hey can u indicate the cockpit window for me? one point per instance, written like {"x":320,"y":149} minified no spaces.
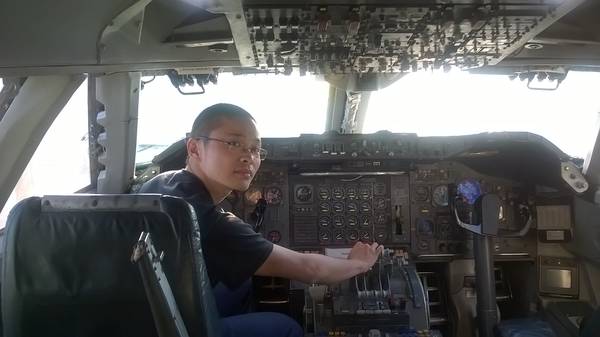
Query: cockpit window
{"x":283,"y":106}
{"x":459,"y":103}
{"x":60,"y":164}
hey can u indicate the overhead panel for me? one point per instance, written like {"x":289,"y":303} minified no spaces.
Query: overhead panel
{"x":322,"y":39}
{"x":328,"y":37}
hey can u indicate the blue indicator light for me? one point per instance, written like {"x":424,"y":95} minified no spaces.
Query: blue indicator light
{"x":470,"y":190}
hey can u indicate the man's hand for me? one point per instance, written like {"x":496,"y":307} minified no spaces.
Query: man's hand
{"x":318,"y":268}
{"x":366,"y":253}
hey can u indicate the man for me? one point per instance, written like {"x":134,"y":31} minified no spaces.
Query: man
{"x":224,"y":153}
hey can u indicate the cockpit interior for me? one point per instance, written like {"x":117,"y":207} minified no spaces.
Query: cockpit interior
{"x":486,"y":234}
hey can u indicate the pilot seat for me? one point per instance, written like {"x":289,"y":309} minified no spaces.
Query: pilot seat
{"x":67,"y":269}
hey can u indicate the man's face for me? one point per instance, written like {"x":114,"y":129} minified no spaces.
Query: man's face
{"x":227,"y":166}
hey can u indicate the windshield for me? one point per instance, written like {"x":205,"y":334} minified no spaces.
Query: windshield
{"x":459,"y":103}
{"x":425,"y":103}
{"x":283,"y":106}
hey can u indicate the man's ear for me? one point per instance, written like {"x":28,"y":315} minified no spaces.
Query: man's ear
{"x":193,"y":148}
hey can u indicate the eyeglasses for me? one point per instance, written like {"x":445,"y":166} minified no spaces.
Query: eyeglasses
{"x":239,"y":147}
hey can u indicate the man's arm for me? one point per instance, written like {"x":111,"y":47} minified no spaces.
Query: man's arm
{"x":317,"y":268}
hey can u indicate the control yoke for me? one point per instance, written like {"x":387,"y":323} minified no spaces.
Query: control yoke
{"x":485,"y":217}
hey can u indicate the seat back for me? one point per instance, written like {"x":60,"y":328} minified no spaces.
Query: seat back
{"x":67,"y":268}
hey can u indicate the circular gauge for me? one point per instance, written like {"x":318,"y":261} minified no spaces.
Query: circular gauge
{"x":424,"y":226}
{"x":445,"y":229}
{"x":353,"y":235}
{"x":304,"y":193}
{"x":338,"y":207}
{"x":440,"y":196}
{"x":381,"y":219}
{"x":324,"y":221}
{"x":380,"y":236}
{"x":324,"y":207}
{"x":338,"y":221}
{"x":352,"y":222}
{"x":324,"y":236}
{"x":273,"y":195}
{"x":365,"y":207}
{"x":324,"y":193}
{"x":380,"y":203}
{"x":351,"y":193}
{"x":274,"y":236}
{"x":338,"y":236}
{"x":351,"y":207}
{"x":252,"y":196}
{"x":365,"y":193}
{"x":338,"y":192}
{"x":422,"y":193}
{"x":469,"y":190}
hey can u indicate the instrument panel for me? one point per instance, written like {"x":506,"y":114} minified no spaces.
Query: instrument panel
{"x":341,"y":210}
{"x":316,"y":200}
{"x":416,"y":196}
{"x":435,"y":187}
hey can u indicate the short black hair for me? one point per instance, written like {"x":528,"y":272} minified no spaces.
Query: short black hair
{"x":207,"y":119}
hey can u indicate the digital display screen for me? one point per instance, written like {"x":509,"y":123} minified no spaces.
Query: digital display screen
{"x":558,"y":278}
